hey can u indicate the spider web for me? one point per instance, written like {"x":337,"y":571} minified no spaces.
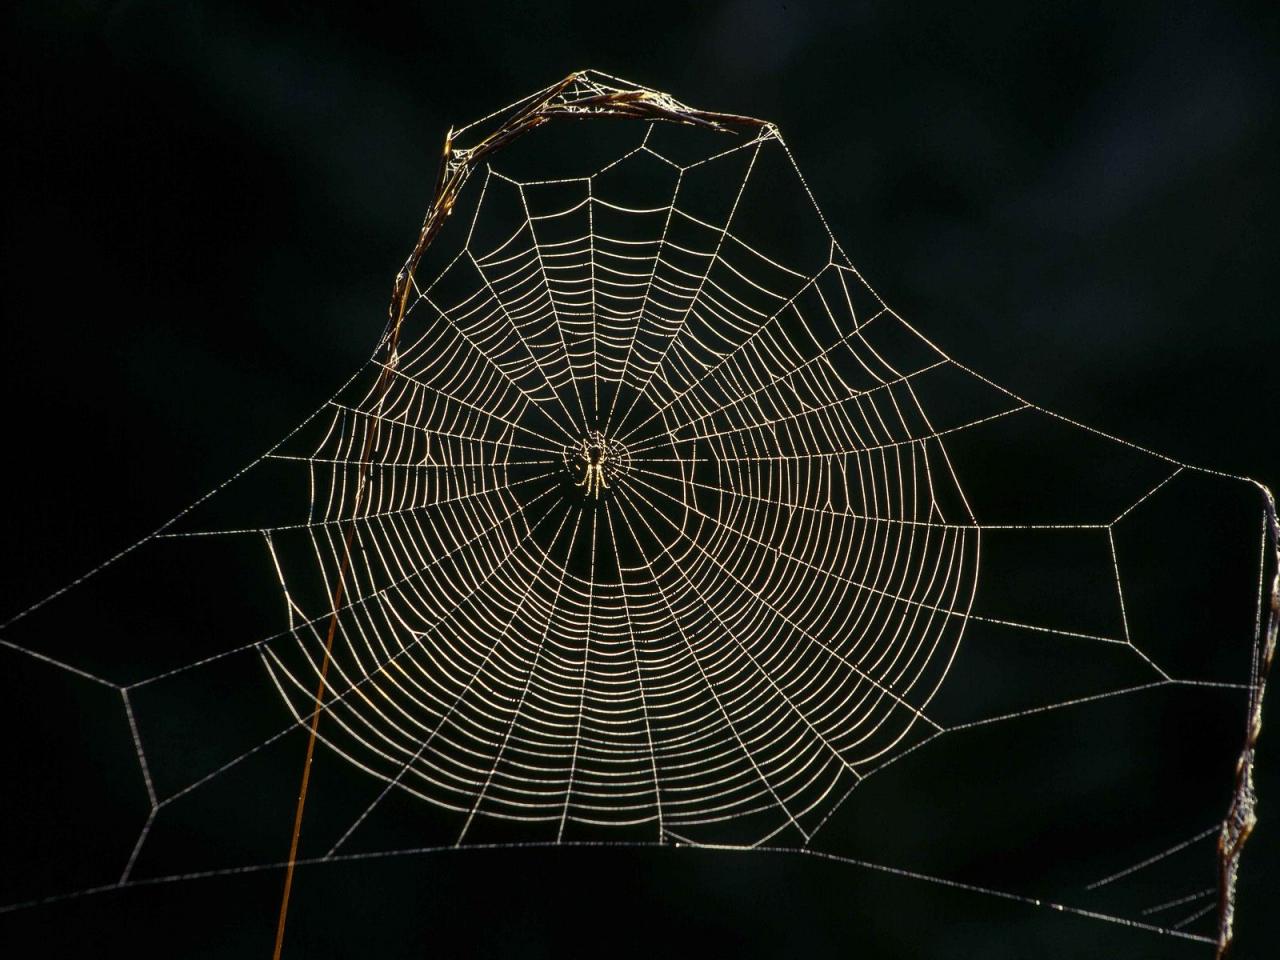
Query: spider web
{"x":650,"y":522}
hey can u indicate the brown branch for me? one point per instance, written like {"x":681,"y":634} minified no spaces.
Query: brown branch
{"x":456,"y":166}
{"x":1241,"y":815}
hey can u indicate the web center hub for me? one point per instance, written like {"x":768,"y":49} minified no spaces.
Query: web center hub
{"x":596,"y":462}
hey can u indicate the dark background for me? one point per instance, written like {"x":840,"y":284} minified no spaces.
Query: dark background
{"x":208,"y":203}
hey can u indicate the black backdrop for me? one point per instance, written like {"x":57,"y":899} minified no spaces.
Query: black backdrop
{"x":208,"y":203}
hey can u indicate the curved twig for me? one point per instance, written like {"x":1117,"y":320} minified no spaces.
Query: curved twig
{"x":576,"y":96}
{"x":1241,"y":815}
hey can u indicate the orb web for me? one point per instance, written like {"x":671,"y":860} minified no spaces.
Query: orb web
{"x":748,"y":609}
{"x":648,"y":521}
